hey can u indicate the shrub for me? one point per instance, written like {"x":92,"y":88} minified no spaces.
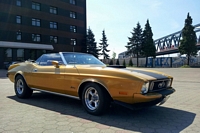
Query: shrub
{"x":117,"y":63}
{"x":185,"y":66}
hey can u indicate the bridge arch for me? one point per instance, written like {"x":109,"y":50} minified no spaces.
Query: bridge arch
{"x":169,"y":44}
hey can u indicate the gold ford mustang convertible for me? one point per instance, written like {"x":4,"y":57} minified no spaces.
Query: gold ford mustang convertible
{"x":82,"y":76}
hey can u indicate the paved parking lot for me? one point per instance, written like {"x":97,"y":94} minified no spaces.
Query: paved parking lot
{"x":50,"y":113}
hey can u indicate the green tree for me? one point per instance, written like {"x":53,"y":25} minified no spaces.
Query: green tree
{"x":189,"y":39}
{"x":103,"y":46}
{"x":111,"y":62}
{"x":135,"y":42}
{"x":148,"y":48}
{"x":124,"y":63}
{"x":113,"y":55}
{"x":91,"y":44}
{"x":117,"y":63}
{"x":130,"y":62}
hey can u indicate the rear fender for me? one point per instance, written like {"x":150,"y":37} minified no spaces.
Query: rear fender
{"x":21,"y":74}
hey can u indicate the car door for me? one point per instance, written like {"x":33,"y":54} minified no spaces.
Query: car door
{"x":46,"y":76}
{"x":72,"y":76}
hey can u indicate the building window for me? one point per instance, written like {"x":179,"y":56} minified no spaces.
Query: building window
{"x":8,"y":55}
{"x":72,"y":28}
{"x":53,"y":39}
{"x":18,"y":35}
{"x":35,"y":22}
{"x":72,"y":2}
{"x":53,"y":25}
{"x":35,"y":6}
{"x":36,"y":38}
{"x":73,"y":41}
{"x":20,"y":54}
{"x":18,"y":20}
{"x":72,"y":15}
{"x":18,"y":3}
{"x":53,"y":10}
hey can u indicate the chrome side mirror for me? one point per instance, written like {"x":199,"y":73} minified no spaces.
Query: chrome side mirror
{"x":56,"y":64}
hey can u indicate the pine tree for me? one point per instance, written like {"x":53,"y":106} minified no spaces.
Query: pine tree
{"x":189,"y":39}
{"x":130,"y":62}
{"x":117,"y":63}
{"x":103,"y":46}
{"x":91,"y":44}
{"x":148,"y":48}
{"x":111,"y":62}
{"x":135,"y":42}
{"x":124,"y":63}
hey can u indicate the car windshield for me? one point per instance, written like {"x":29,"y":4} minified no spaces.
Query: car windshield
{"x":81,"y":59}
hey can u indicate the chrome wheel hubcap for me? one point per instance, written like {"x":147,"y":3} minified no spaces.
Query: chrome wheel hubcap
{"x":20,"y":86}
{"x":92,"y":98}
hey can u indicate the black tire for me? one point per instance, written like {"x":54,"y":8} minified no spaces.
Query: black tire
{"x":21,"y":88}
{"x":95,"y":99}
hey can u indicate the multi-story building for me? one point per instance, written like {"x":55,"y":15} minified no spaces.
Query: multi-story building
{"x":29,"y":28}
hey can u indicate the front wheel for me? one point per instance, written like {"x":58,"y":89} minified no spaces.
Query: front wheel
{"x":21,"y":88}
{"x":95,"y":99}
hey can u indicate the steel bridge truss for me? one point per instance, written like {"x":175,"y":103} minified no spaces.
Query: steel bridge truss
{"x":171,"y":42}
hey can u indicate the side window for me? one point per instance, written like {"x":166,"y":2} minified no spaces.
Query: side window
{"x":46,"y":60}
{"x":43,"y":61}
{"x":57,"y":57}
{"x":38,"y":60}
{"x":70,"y":59}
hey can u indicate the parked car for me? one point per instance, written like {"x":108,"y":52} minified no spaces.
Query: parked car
{"x":84,"y":77}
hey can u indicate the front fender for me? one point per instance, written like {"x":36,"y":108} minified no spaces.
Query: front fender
{"x":93,"y":80}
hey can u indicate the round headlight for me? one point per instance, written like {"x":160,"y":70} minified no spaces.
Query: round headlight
{"x":145,"y":88}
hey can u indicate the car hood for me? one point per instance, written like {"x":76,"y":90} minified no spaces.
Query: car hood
{"x":148,"y":74}
{"x":127,"y":73}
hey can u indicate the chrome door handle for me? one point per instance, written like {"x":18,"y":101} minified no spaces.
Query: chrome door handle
{"x":35,"y":70}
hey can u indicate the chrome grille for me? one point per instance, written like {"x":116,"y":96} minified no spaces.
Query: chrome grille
{"x":158,"y":85}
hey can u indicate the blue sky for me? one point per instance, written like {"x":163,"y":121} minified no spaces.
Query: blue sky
{"x":119,"y":17}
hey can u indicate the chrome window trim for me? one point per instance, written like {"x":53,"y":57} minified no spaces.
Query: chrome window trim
{"x":62,"y":57}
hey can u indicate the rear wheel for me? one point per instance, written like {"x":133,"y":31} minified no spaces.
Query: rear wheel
{"x":95,"y":99}
{"x":21,"y":88}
